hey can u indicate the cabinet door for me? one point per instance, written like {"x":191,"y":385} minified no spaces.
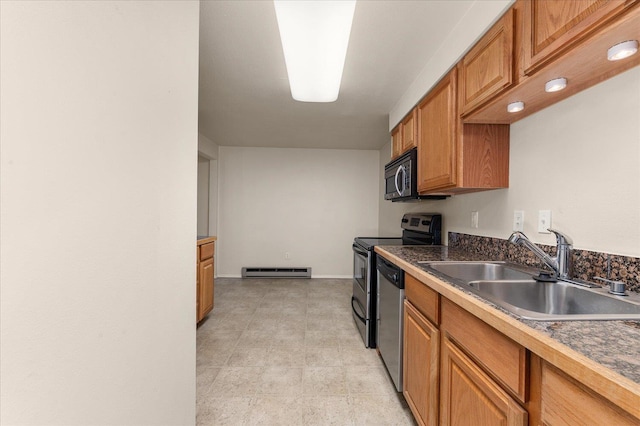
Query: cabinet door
{"x":552,"y":27}
{"x":205,"y":303}
{"x":396,"y":141}
{"x":469,"y":396}
{"x":420,"y":364}
{"x":409,"y":131}
{"x":488,"y":67}
{"x":437,"y":133}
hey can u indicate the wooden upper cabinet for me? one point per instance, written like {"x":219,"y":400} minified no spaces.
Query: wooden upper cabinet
{"x":437,"y":133}
{"x":396,"y":141}
{"x":488,"y":68}
{"x":404,"y":135}
{"x":456,"y":158}
{"x":410,"y":131}
{"x":552,"y":27}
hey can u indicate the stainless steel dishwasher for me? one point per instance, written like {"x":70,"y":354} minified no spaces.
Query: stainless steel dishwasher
{"x":390,"y":318}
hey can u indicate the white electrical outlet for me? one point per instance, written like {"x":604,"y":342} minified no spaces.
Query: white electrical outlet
{"x":518,"y":220}
{"x":544,"y":221}
{"x":474,"y":219}
{"x":287,"y":255}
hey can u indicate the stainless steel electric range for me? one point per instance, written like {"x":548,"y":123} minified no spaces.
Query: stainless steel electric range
{"x":417,"y":229}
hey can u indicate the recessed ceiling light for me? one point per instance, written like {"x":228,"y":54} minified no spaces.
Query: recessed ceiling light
{"x":315,"y":36}
{"x":515,"y":106}
{"x":622,"y":50}
{"x":555,"y":85}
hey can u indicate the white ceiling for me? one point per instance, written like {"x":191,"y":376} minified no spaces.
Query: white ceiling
{"x":244,"y":93}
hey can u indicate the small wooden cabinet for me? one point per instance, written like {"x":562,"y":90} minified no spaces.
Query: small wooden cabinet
{"x":470,"y":396}
{"x":488,"y":68}
{"x":396,"y":141}
{"x":404,"y":135}
{"x":421,"y":351}
{"x":204,"y":278}
{"x":550,"y":28}
{"x":409,"y":131}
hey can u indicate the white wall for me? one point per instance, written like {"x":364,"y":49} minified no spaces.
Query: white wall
{"x":98,"y":222}
{"x":308,"y":202}
{"x":209,"y":149}
{"x":479,"y":18}
{"x":579,"y":158}
{"x":203,"y":196}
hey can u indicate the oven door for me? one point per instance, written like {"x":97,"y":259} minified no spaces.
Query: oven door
{"x":361,"y":306}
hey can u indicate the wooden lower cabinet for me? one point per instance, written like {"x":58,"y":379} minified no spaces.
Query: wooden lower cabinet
{"x":204,"y":280}
{"x":206,"y":288}
{"x":459,"y":370}
{"x":471,"y":397}
{"x":567,"y":402}
{"x":420,"y":366}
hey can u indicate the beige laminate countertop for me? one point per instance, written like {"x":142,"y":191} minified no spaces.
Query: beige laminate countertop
{"x":205,"y":240}
{"x":604,"y":355}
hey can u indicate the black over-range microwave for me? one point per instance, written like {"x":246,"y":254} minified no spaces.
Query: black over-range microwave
{"x":401,"y":179}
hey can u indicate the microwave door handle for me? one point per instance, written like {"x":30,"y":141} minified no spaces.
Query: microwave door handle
{"x":401,"y":169}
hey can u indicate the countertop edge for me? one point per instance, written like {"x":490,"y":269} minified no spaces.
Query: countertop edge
{"x":206,"y":240}
{"x":620,"y":390}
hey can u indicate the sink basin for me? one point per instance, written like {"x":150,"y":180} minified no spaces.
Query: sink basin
{"x":474,"y":271}
{"x":515,"y":290}
{"x":555,"y":301}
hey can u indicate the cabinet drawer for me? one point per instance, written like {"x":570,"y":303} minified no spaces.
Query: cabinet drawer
{"x":502,"y":358}
{"x":567,"y":402}
{"x":470,"y":397}
{"x":206,"y":251}
{"x":423,"y":298}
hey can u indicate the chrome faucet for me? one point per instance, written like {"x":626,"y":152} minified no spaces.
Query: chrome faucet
{"x":562,"y":264}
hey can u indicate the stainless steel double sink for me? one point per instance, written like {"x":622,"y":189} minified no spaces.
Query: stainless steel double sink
{"x":514,"y":289}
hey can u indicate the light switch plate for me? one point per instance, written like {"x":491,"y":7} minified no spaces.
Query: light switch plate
{"x":474,"y":219}
{"x":518,"y":220}
{"x":544,"y":221}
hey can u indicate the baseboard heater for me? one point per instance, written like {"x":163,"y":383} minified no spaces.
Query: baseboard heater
{"x":276,"y":272}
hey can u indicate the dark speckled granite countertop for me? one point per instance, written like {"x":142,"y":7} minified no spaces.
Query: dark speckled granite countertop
{"x":614,"y":344}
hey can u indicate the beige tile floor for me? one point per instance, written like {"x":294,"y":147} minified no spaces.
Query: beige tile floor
{"x":287,"y":352}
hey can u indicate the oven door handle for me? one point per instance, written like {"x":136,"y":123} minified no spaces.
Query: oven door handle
{"x":359,"y":251}
{"x":404,"y":174}
{"x":360,"y":317}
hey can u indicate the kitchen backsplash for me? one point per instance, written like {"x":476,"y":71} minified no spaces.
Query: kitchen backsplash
{"x":586,"y":264}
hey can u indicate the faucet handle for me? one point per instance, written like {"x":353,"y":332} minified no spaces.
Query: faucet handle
{"x":615,"y":287}
{"x":561,"y":239}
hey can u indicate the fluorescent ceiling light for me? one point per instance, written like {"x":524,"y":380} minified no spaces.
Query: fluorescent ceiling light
{"x":315,"y":36}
